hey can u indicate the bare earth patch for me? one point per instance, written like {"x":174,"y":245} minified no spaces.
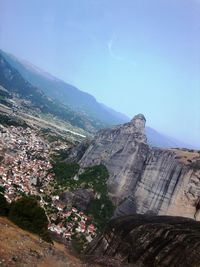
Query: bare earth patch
{"x":19,"y":248}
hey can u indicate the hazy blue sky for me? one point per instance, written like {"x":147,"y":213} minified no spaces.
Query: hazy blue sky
{"x":137,"y":56}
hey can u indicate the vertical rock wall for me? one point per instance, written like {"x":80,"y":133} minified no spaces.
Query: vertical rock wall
{"x":144,"y":179}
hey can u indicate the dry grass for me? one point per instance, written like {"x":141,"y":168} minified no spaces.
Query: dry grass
{"x":185,"y":156}
{"x":22,"y":249}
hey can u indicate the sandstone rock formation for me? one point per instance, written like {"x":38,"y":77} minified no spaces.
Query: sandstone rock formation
{"x":79,"y":198}
{"x":146,"y":241}
{"x":143,"y":179}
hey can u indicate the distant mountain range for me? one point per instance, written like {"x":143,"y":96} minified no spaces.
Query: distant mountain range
{"x":19,"y":93}
{"x":54,"y":96}
{"x":65,"y":93}
{"x":160,"y":140}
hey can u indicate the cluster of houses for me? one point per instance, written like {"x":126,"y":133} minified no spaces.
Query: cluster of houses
{"x":26,"y":162}
{"x":25,"y":167}
{"x":73,"y":223}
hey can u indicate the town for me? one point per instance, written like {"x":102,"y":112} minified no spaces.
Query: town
{"x":25,"y":169}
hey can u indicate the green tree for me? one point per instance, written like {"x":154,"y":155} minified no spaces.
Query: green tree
{"x":65,"y":172}
{"x":4,"y":207}
{"x":2,"y":189}
{"x":27,"y":214}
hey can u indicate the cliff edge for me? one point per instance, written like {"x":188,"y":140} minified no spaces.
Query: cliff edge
{"x":145,"y":241}
{"x":144,"y":179}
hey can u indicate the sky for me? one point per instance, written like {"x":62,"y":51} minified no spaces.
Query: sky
{"x":136,"y":56}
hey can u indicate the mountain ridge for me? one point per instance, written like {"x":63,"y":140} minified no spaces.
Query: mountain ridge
{"x":81,"y":103}
{"x":34,"y":99}
{"x":66,"y":93}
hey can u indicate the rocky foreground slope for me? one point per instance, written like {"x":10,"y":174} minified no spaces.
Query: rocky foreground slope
{"x":19,"y":248}
{"x":144,"y":179}
{"x":146,"y":241}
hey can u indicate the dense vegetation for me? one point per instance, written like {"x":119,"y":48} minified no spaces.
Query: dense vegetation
{"x":65,"y":173}
{"x":11,"y":121}
{"x":52,"y":137}
{"x":4,"y":207}
{"x":100,"y":208}
{"x":27,"y":214}
{"x":95,"y":178}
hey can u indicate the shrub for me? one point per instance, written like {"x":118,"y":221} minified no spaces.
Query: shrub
{"x":101,"y":214}
{"x":95,"y":178}
{"x":78,"y":241}
{"x":2,"y":189}
{"x":47,"y":198}
{"x":100,"y":209}
{"x":65,"y":172}
{"x":196,"y":165}
{"x":4,"y":206}
{"x":27,"y":214}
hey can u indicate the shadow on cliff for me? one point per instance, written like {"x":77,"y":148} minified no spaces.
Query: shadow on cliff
{"x":147,"y":240}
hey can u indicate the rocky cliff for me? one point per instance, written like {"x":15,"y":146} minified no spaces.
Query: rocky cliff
{"x":143,"y":179}
{"x":146,"y":241}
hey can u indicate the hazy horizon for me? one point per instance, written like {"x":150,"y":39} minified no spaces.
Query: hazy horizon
{"x":134,"y":56}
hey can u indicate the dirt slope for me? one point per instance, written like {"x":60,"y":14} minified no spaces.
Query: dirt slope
{"x":22,"y":249}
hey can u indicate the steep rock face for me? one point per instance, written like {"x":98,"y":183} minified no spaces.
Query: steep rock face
{"x":123,"y":150}
{"x":146,"y":240}
{"x":79,"y":198}
{"x":143,"y":179}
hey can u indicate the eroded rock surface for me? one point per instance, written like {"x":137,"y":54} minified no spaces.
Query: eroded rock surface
{"x":143,"y":179}
{"x":79,"y":198}
{"x":146,"y":241}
